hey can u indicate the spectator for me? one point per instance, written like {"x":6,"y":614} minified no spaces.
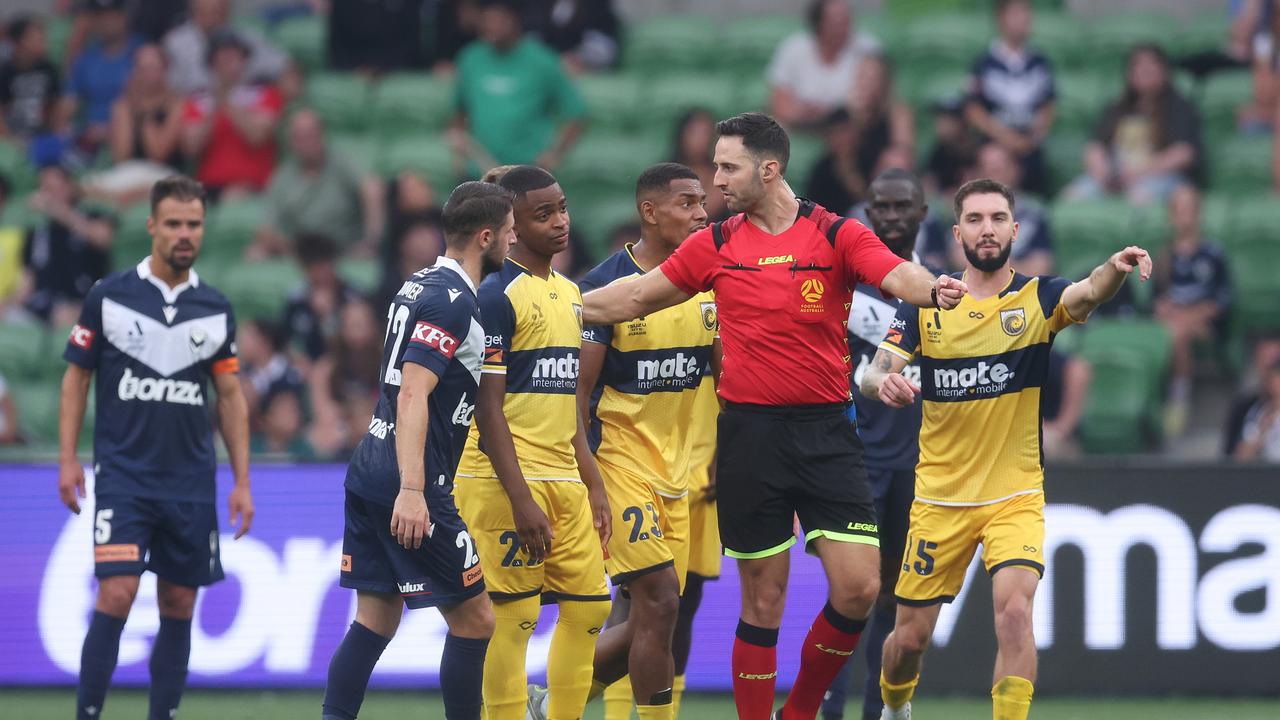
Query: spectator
{"x":457,"y":25}
{"x":10,"y":433}
{"x":100,"y":71}
{"x":188,"y":49}
{"x":417,"y":247}
{"x":146,"y":126}
{"x":1253,"y":42}
{"x":875,"y":127}
{"x":281,"y":432}
{"x":1011,"y":93}
{"x":344,"y":381}
{"x":311,"y":312}
{"x":813,"y":71}
{"x":229,"y":130}
{"x":1148,"y":141}
{"x":13,"y":237}
{"x":692,"y":145}
{"x":955,"y":149}
{"x":933,"y":240}
{"x":1252,"y":430}
{"x":584,"y":32}
{"x":264,"y":366}
{"x":1193,"y":298}
{"x":317,"y":189}
{"x":66,"y":253}
{"x":1033,"y":251}
{"x":30,"y":90}
{"x":515,"y":104}
{"x":375,"y":36}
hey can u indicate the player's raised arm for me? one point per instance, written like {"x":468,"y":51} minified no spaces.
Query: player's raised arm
{"x":885,"y":382}
{"x":409,"y":516}
{"x":621,"y":302}
{"x":233,"y":419}
{"x":915,"y":284}
{"x":1080,"y":298}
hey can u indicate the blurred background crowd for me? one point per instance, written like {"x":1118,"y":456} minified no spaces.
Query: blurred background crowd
{"x":329,"y":132}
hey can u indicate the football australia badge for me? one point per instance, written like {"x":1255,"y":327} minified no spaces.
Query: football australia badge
{"x":1013,"y":322}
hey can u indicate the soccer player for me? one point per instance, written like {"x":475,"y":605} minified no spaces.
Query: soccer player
{"x":896,"y":208}
{"x":783,"y":271}
{"x":403,"y":542}
{"x":639,"y":382}
{"x":530,"y":489}
{"x":154,"y":335}
{"x":980,"y":477}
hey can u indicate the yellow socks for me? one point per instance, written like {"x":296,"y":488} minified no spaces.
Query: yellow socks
{"x":505,"y":683}
{"x":1011,"y":698}
{"x":895,"y":696}
{"x":618,"y":700}
{"x":677,"y":691}
{"x":656,"y":712}
{"x":569,"y":662}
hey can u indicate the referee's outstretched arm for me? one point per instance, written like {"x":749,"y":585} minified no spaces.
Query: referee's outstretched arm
{"x":915,"y":284}
{"x":621,"y":302}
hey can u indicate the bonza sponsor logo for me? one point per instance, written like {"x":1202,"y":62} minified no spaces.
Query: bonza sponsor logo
{"x":670,"y":370}
{"x":981,"y":380}
{"x":180,"y":392}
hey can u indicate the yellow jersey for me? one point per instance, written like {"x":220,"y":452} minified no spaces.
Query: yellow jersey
{"x":982,"y":365}
{"x":643,"y":414}
{"x":702,"y":427}
{"x":533,"y":333}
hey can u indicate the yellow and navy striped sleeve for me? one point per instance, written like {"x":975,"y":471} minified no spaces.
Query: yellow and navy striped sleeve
{"x":499,"y":321}
{"x":903,"y":336}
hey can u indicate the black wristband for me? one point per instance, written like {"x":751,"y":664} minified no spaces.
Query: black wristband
{"x":934,"y":293}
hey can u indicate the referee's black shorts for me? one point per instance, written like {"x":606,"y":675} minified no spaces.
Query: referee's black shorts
{"x":774,"y":462}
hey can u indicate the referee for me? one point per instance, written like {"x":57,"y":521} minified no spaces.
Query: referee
{"x":783,"y":270}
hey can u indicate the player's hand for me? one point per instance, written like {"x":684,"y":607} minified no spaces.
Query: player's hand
{"x":601,"y":514}
{"x":897,"y":391}
{"x":533,"y":529}
{"x":410,"y":520}
{"x":950,"y":291}
{"x":71,"y":484}
{"x":1130,"y":258}
{"x":240,"y":509}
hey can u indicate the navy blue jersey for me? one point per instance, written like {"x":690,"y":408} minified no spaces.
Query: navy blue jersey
{"x":1013,"y":86}
{"x":1199,"y":276}
{"x":434,"y":321}
{"x":154,"y":349}
{"x":891,"y":437}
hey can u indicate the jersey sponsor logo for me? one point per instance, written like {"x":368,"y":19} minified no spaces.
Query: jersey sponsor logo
{"x":493,"y":341}
{"x":179,"y":392}
{"x":667,"y":371}
{"x":983,"y":379}
{"x":775,"y":260}
{"x":1013,"y":322}
{"x":555,"y":372}
{"x":493,"y":356}
{"x":346,"y":563}
{"x":81,"y":337}
{"x":462,"y":414}
{"x":710,"y":318}
{"x":410,"y":290}
{"x":119,"y":552}
{"x":863,"y":527}
{"x":424,"y":333}
{"x":379,"y":428}
{"x":410,"y":588}
{"x":473,"y":576}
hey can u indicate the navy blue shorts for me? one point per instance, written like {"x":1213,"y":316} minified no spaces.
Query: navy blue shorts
{"x":176,"y":540}
{"x":444,"y":571}
{"x":892,"y":491}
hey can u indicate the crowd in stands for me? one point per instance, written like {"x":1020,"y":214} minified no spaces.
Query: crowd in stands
{"x":104,"y":97}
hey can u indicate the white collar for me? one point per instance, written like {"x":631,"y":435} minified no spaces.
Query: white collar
{"x":170,"y":293}
{"x":448,"y":262}
{"x":1015,"y":59}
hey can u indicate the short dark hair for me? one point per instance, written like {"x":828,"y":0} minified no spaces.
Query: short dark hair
{"x":761,"y":135}
{"x":315,"y":248}
{"x":813,"y":13}
{"x":982,"y":186}
{"x":903,"y":175}
{"x":1002,"y":5}
{"x":474,"y":206}
{"x":178,"y":187}
{"x":524,"y":179}
{"x":19,"y":26}
{"x":496,"y":173}
{"x":657,"y":178}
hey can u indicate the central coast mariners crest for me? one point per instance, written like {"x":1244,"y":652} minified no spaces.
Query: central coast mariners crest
{"x":1013,"y":322}
{"x":710,"y":320}
{"x":577,"y":312}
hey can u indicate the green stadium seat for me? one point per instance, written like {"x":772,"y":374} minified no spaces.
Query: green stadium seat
{"x":132,"y":242}
{"x":670,"y":43}
{"x":362,"y":273}
{"x":341,"y":99}
{"x":1146,"y":338}
{"x":1253,"y":218}
{"x":1111,"y":36}
{"x":362,"y":149}
{"x":1082,"y":95}
{"x":609,"y":163}
{"x":23,"y":349}
{"x":1117,"y":405}
{"x":1222,"y":97}
{"x":305,"y":39}
{"x":752,"y":93}
{"x":596,"y":220}
{"x":1064,"y":153}
{"x":259,"y":289}
{"x":231,"y":227}
{"x":613,"y":100}
{"x":57,"y":31}
{"x":429,"y":155}
{"x":806,"y":150}
{"x":37,"y":405}
{"x":670,"y":96}
{"x":1240,"y":164}
{"x":1203,"y":32}
{"x":17,"y":212}
{"x":750,"y":40}
{"x":947,"y":40}
{"x":15,"y":165}
{"x":1086,"y":232}
{"x":411,"y":104}
{"x":1216,"y":215}
{"x":1059,"y":35}
{"x":1254,"y":269}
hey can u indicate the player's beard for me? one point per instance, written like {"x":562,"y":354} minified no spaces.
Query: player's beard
{"x":180,"y":264}
{"x":988,"y":264}
{"x":491,"y":261}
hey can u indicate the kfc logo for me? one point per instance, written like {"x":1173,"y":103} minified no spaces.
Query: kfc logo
{"x":427,"y":334}
{"x":81,"y":337}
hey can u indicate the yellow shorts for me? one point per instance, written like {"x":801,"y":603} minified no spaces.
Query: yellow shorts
{"x":704,"y":532}
{"x":942,"y":539}
{"x":575,"y":568}
{"x":650,"y":531}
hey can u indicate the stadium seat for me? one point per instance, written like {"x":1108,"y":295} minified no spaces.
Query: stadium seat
{"x":411,"y":104}
{"x":1058,"y":35}
{"x":670,"y":96}
{"x":429,"y":155}
{"x":806,"y":150}
{"x":231,"y":227}
{"x":1082,"y":94}
{"x":1222,"y":97}
{"x":132,"y":242}
{"x":1254,"y":217}
{"x":361,"y":148}
{"x":23,"y":349}
{"x":15,"y":166}
{"x":362,"y":273}
{"x":751,"y":94}
{"x":304,"y":38}
{"x":341,"y":99}
{"x":1202,"y":32}
{"x":1111,"y":36}
{"x":947,"y":40}
{"x":37,"y":405}
{"x":609,"y":162}
{"x":1240,"y":164}
{"x":750,"y":40}
{"x":921,"y":90}
{"x":613,"y":100}
{"x":595,"y":220}
{"x":1117,"y":405}
{"x":671,"y":43}
{"x":259,"y":289}
{"x":1216,"y":212}
{"x":1256,"y":283}
{"x":1086,"y":232}
{"x":1064,"y":153}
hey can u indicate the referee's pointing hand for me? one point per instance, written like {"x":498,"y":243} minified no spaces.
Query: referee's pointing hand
{"x":950,"y":291}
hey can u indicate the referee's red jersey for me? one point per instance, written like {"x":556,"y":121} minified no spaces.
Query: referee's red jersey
{"x":783,"y":301}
